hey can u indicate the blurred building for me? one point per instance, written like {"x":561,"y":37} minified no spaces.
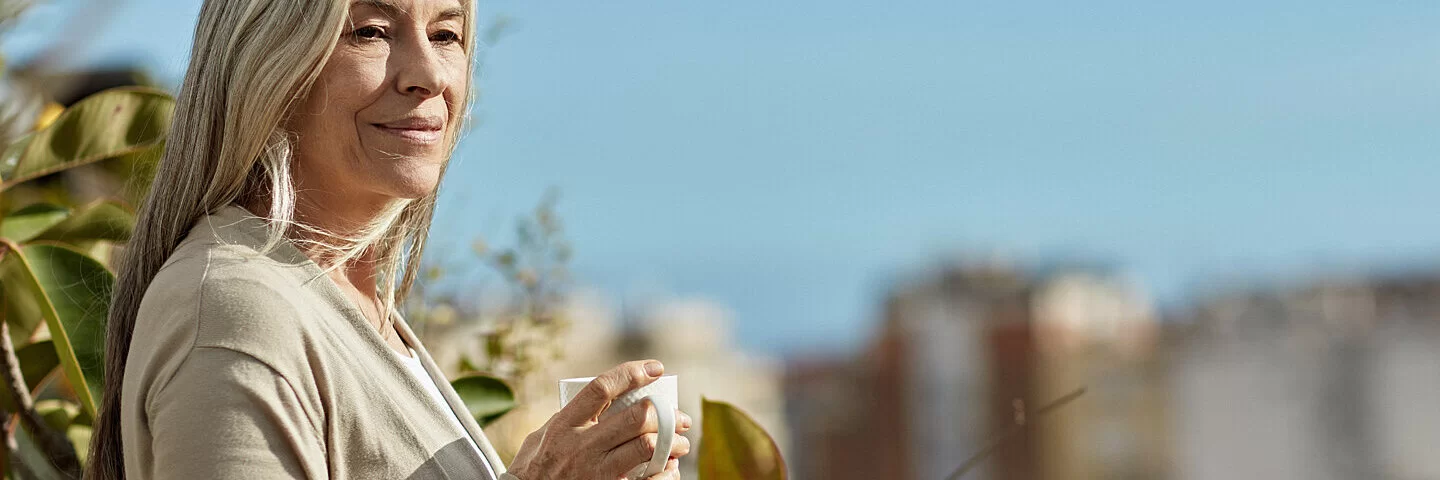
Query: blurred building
{"x":1098,"y":333}
{"x":1332,"y":380}
{"x":848,"y":417}
{"x":963,"y":355}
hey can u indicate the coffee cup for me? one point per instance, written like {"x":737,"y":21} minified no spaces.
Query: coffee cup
{"x":662,"y":393}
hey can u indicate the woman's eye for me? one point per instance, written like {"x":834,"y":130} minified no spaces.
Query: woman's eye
{"x":445,"y":36}
{"x":371,"y":32}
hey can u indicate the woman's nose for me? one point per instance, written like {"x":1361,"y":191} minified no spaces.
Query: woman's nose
{"x":420,"y":69}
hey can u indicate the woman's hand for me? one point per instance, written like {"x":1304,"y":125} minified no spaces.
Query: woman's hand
{"x":575,"y":445}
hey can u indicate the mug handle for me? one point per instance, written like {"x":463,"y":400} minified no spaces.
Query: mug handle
{"x":665,"y":412}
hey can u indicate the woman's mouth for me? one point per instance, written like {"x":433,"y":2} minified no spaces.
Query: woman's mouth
{"x":421,"y":130}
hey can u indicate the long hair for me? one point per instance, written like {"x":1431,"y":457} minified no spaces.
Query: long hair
{"x":252,"y":63}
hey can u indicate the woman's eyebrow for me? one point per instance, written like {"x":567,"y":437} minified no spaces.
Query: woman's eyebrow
{"x":449,"y":13}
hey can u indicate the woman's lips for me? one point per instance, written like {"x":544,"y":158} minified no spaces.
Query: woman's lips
{"x":420,"y":135}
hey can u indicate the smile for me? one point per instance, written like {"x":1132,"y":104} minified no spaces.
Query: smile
{"x":424,"y":135}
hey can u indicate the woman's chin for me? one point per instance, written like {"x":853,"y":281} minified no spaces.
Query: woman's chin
{"x":414,"y":183}
{"x":413,"y":191}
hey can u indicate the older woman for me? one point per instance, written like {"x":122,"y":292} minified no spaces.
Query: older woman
{"x":253,"y":332}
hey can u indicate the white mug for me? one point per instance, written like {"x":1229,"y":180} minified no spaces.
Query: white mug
{"x":662,"y":393}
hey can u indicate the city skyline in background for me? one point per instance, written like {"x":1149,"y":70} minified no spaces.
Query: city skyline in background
{"x":791,"y":161}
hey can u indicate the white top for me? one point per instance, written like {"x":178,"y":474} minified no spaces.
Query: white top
{"x":417,"y":370}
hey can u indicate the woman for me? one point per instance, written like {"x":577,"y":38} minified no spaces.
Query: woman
{"x":253,"y":331}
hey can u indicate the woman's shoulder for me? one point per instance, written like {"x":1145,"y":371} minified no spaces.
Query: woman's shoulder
{"x":208,"y":297}
{"x":229,"y":245}
{"x":214,"y":293}
{"x":226,"y":282}
{"x":223,"y":280}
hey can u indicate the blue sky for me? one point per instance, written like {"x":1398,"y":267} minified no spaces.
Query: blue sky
{"x":788,"y":159}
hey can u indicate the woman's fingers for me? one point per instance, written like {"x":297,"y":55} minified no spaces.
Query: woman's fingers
{"x":672,"y":471}
{"x":628,"y":455}
{"x":638,"y":419}
{"x":615,"y":429}
{"x":680,"y":448}
{"x":596,"y":395}
{"x":682,"y":421}
{"x":640,"y":450}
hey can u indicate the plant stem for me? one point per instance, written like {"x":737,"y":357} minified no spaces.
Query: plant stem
{"x":54,"y":444}
{"x":17,"y":464}
{"x":1015,"y":428}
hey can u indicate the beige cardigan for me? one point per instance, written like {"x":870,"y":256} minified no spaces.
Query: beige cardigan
{"x":246,"y":365}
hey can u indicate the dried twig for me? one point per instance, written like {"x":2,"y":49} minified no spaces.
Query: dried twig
{"x":55,"y":445}
{"x":1020,"y":423}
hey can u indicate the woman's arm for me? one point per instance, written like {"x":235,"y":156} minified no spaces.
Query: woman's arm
{"x":227,"y":415}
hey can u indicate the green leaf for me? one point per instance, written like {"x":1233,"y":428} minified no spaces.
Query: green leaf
{"x":733,"y":446}
{"x":488,"y":398}
{"x":34,"y":457}
{"x":138,"y":169}
{"x":73,"y":291}
{"x":57,"y":413}
{"x":37,"y":360}
{"x":466,"y":365}
{"x":108,"y":124}
{"x":65,"y":416}
{"x":83,"y":419}
{"x":20,"y":296}
{"x":102,"y":220}
{"x":79,"y":436}
{"x":24,"y":224}
{"x":10,"y":157}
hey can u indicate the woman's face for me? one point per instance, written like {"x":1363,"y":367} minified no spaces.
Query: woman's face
{"x":377,"y":121}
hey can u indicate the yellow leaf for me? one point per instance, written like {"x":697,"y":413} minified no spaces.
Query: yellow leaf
{"x":47,"y":116}
{"x":734,"y":447}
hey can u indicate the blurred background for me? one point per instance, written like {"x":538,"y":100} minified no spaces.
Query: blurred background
{"x":893,"y":232}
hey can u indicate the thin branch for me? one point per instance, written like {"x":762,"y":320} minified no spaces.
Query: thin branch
{"x":12,"y":449}
{"x":1017,"y":427}
{"x":14,"y":462}
{"x":58,"y":448}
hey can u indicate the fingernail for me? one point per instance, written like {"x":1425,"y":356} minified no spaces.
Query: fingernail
{"x":654,"y":368}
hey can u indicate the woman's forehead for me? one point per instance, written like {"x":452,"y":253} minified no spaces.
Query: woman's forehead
{"x":436,"y":9}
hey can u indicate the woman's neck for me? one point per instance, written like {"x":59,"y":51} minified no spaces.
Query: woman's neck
{"x":333,"y":221}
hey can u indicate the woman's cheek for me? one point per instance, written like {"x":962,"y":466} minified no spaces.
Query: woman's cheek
{"x":355,"y":72}
{"x":455,"y":95}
